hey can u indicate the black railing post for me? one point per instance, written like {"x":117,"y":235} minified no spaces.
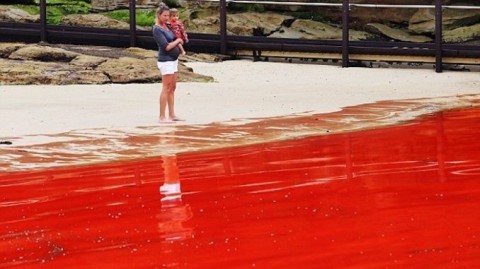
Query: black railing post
{"x":133,"y":24}
{"x":43,"y":20}
{"x":438,"y":36}
{"x":345,"y":32}
{"x":223,"y":27}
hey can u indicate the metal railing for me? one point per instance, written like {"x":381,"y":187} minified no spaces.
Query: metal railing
{"x":223,"y":43}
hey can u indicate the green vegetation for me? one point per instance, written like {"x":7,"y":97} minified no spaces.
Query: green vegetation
{"x":144,"y":17}
{"x":56,"y":9}
{"x":18,"y":2}
{"x":31,"y":9}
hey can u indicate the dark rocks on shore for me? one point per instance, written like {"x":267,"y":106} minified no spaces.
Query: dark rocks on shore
{"x":23,"y":64}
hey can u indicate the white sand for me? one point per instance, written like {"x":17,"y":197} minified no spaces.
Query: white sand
{"x":243,"y":89}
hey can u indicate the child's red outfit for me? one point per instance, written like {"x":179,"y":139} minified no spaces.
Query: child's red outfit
{"x":178,"y":30}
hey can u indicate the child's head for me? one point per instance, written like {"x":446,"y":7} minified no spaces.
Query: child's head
{"x":174,"y":14}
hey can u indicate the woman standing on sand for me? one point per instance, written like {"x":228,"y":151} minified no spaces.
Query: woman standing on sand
{"x":168,"y":53}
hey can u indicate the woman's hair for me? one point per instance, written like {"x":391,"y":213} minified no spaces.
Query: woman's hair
{"x":160,"y":10}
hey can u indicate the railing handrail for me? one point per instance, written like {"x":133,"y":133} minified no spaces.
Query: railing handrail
{"x":288,"y":3}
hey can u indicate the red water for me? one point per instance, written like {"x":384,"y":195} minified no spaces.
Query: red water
{"x":400,"y":197}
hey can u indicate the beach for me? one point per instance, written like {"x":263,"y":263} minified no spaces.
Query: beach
{"x":243,"y":89}
{"x":243,"y":92}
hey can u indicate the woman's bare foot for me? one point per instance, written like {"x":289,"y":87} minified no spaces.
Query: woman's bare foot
{"x":176,"y":119}
{"x":164,"y":120}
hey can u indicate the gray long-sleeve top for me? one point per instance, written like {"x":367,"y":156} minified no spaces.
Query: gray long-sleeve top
{"x":163,"y":37}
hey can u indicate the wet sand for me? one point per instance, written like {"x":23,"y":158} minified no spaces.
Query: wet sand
{"x":250,"y":102}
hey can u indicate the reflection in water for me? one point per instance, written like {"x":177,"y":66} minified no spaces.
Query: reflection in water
{"x":173,"y":214}
{"x":171,"y":186}
{"x":399,"y":197}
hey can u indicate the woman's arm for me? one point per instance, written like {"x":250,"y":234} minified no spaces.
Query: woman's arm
{"x":162,"y":40}
{"x":173,"y":44}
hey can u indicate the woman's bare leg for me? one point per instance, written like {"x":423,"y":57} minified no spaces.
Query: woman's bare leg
{"x":165,"y":95}
{"x":172,"y":114}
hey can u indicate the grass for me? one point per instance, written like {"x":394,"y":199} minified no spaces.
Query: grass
{"x":31,"y":9}
{"x":56,"y":9}
{"x":143,"y":17}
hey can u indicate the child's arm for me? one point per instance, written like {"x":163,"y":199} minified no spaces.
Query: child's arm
{"x":183,"y":31}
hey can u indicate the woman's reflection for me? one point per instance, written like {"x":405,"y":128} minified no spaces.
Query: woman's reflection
{"x":174,"y":213}
{"x":171,"y":186}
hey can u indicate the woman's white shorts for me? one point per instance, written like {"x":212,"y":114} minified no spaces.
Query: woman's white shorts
{"x":168,"y":68}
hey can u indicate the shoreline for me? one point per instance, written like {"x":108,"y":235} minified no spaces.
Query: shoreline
{"x":79,"y":124}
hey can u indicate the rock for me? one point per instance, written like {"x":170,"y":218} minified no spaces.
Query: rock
{"x":15,"y":72}
{"x":142,"y":53}
{"x":244,"y":23}
{"x":361,"y":16}
{"x":308,"y":29}
{"x":31,"y":64}
{"x":43,"y":53}
{"x":127,"y":69}
{"x":209,"y":25}
{"x":424,"y":20}
{"x":87,"y":77}
{"x":7,"y":48}
{"x":187,"y":74}
{"x":202,"y":57}
{"x":88,"y":61}
{"x":10,"y":14}
{"x":240,"y":23}
{"x":396,"y":34}
{"x":95,"y":20}
{"x":462,"y":34}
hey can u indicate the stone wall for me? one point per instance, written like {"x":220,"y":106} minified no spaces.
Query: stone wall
{"x":102,"y":5}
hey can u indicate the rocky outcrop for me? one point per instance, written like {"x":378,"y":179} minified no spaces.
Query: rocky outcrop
{"x":127,"y":69}
{"x":462,"y":34}
{"x":264,"y":23}
{"x":22,"y":64}
{"x":43,"y":54}
{"x":88,"y":61}
{"x":95,"y":20}
{"x":396,"y":34}
{"x":16,"y":15}
{"x":17,"y":72}
{"x":272,"y":25}
{"x":240,"y":23}
{"x":308,"y":29}
{"x":7,"y":48}
{"x":423,"y":21}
